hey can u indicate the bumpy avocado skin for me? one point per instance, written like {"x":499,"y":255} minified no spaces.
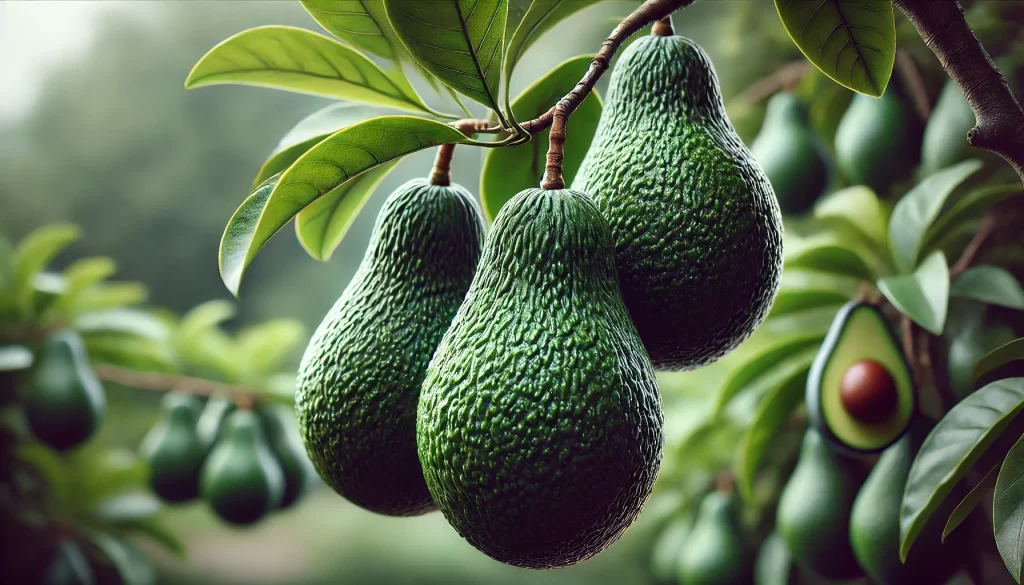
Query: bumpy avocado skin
{"x":360,"y":378}
{"x":540,"y":424}
{"x":698,"y":233}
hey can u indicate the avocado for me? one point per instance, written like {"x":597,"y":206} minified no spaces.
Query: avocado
{"x":860,"y":393}
{"x":698,"y":232}
{"x":540,"y":425}
{"x":360,"y":377}
{"x":792,"y":155}
{"x":286,"y":445}
{"x":875,"y":521}
{"x":877,"y":140}
{"x":774,"y":564}
{"x":241,"y":480}
{"x":714,"y":553}
{"x":173,"y":449}
{"x":211,"y":421}
{"x":668,"y":547}
{"x":813,"y":516}
{"x":65,"y":401}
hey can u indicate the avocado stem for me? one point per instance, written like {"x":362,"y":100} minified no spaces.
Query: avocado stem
{"x":441,"y":174}
{"x":663,"y":28}
{"x":556,"y":150}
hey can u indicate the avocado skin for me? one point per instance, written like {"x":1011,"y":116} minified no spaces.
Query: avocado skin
{"x":834,"y":345}
{"x":284,"y":442}
{"x":540,"y":424}
{"x":877,"y":140}
{"x":698,"y":232}
{"x":875,"y":521}
{"x":174,"y":451}
{"x":813,"y":517}
{"x":359,"y":380}
{"x":774,"y":563}
{"x":65,"y":401}
{"x":241,"y":479}
{"x":791,"y":154}
{"x":714,"y":554}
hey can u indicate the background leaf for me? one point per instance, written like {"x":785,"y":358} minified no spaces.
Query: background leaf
{"x":540,"y":18}
{"x":459,"y":41}
{"x":507,"y":171}
{"x":956,"y":443}
{"x":919,"y":208}
{"x":1003,"y":362}
{"x":970,"y":502}
{"x":827,"y":252}
{"x":765,"y":359}
{"x":851,"y":41}
{"x":131,"y":566}
{"x":805,"y":290}
{"x":33,"y":254}
{"x":922,"y":296}
{"x":296,"y":59}
{"x":970,"y":205}
{"x":989,"y":284}
{"x":15,"y":357}
{"x":1008,"y":510}
{"x":857,"y":207}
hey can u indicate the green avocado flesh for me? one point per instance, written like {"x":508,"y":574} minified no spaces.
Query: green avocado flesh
{"x":540,"y":424}
{"x":697,"y":228}
{"x":359,"y":381}
{"x":859,"y":332}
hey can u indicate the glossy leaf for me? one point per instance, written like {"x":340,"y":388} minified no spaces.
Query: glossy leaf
{"x":776,"y":406}
{"x":918,"y":209}
{"x":922,"y":296}
{"x":859,"y":208}
{"x":125,"y":321}
{"x":827,"y":253}
{"x":14,"y":358}
{"x":953,"y":447}
{"x":132,"y":567}
{"x":459,"y":41}
{"x":32,"y":255}
{"x":309,"y":132}
{"x":322,"y":225}
{"x":539,"y":18}
{"x":326,"y":167}
{"x":970,"y":502}
{"x":989,"y":284}
{"x":1008,"y":510}
{"x":851,"y":41}
{"x":766,"y":358}
{"x":969,"y":206}
{"x":296,"y":59}
{"x":362,"y":23}
{"x":1006,"y":359}
{"x":507,"y":171}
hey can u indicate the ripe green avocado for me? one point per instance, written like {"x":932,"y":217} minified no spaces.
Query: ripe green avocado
{"x":211,"y":420}
{"x":286,"y":445}
{"x":774,"y":563}
{"x":173,"y":449}
{"x":875,"y":521}
{"x":714,"y":553}
{"x":791,"y":154}
{"x":65,"y":400}
{"x":540,"y":424}
{"x":360,"y":377}
{"x":877,"y":140}
{"x":241,"y":479}
{"x":860,"y":336}
{"x":813,"y":517}
{"x":698,"y":233}
{"x":669,"y":545}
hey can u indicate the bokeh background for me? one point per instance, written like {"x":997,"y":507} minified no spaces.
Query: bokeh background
{"x":97,"y":129}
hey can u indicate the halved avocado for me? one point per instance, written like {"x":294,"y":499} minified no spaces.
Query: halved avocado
{"x":860,"y":392}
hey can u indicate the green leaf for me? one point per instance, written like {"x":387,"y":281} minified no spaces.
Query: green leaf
{"x":952,"y":448}
{"x":857,"y":207}
{"x":459,"y":41}
{"x":325,"y":168}
{"x":851,"y":41}
{"x":827,"y":252}
{"x":1004,"y":361}
{"x":102,"y":474}
{"x":309,"y":132}
{"x":295,"y":59}
{"x":153,"y":529}
{"x":32,"y":255}
{"x":1008,"y":510}
{"x":922,"y":296}
{"x":81,"y":275}
{"x":363,"y":23}
{"x":805,"y":290}
{"x":130,"y":352}
{"x":132,"y":567}
{"x":206,"y":316}
{"x":776,"y":406}
{"x":969,"y":206}
{"x":766,"y":358}
{"x":265,"y":346}
{"x":970,"y":502}
{"x":14,"y":358}
{"x":507,"y":171}
{"x":127,"y":507}
{"x":989,"y":284}
{"x":919,"y":208}
{"x":540,"y":18}
{"x":73,"y":568}
{"x":322,"y":225}
{"x":126,"y":321}
{"x":102,"y":297}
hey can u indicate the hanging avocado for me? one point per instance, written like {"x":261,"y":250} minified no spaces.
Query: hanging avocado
{"x":173,"y":450}
{"x":286,"y":445}
{"x":714,"y":552}
{"x":877,"y":140}
{"x":860,"y":394}
{"x":211,"y":421}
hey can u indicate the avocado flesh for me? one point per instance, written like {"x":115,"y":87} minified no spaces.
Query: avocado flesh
{"x":858,"y":332}
{"x":359,"y":380}
{"x":540,"y":424}
{"x":714,"y":554}
{"x":698,"y":232}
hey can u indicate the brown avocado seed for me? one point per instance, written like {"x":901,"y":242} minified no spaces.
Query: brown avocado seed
{"x":868,"y":392}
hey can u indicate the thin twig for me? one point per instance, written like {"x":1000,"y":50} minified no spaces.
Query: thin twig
{"x":159,"y":382}
{"x":784,"y":77}
{"x":974,"y":247}
{"x":914,"y":83}
{"x":441,"y":174}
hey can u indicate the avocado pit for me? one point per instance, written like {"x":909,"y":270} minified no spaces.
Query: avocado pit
{"x":868,"y":392}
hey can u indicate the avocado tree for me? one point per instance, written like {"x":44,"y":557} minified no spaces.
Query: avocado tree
{"x":804,"y":358}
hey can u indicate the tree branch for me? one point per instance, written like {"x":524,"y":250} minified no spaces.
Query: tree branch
{"x":1000,"y":119}
{"x":783,"y":78}
{"x":974,"y":247}
{"x":159,"y":382}
{"x":441,"y":174}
